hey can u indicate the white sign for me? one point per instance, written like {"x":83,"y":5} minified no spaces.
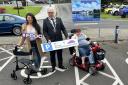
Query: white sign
{"x":46,"y":47}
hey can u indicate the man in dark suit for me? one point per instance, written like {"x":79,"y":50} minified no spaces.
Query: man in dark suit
{"x":52,"y":30}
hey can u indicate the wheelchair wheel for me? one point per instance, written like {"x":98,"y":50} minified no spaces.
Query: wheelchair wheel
{"x":14,"y":76}
{"x":44,"y":71}
{"x":71,"y":62}
{"x":27,"y":81}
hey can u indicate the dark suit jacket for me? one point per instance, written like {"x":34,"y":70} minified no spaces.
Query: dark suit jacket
{"x":48,"y":30}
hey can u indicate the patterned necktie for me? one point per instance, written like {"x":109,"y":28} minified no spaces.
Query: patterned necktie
{"x":54,"y":25}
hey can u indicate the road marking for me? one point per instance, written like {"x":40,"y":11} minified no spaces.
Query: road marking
{"x":105,"y":74}
{"x":114,"y":76}
{"x":126,"y":60}
{"x":39,"y":75}
{"x":36,"y":77}
{"x":77,"y":76}
{"x":4,"y":58}
{"x":126,"y":52}
{"x":6,"y":63}
{"x":6,"y":51}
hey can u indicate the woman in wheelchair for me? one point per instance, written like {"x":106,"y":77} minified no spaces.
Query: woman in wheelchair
{"x":84,"y":49}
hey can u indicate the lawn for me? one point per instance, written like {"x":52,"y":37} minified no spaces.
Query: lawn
{"x":23,"y":12}
{"x":108,"y":16}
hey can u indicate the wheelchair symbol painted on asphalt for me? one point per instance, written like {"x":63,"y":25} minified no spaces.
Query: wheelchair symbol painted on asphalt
{"x":39,"y":75}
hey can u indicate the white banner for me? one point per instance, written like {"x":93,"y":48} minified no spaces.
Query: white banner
{"x":46,"y":47}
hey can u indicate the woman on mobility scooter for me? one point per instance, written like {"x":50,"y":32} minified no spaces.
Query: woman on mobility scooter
{"x":87,"y":51}
{"x":84,"y":48}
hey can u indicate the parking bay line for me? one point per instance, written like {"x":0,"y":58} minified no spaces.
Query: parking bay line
{"x":5,"y":64}
{"x":81,"y":81}
{"x":4,"y":58}
{"x":4,"y":51}
{"x":126,"y":58}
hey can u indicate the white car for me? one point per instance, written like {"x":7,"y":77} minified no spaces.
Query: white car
{"x":116,"y":10}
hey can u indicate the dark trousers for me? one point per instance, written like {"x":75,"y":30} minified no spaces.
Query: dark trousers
{"x":53,"y":58}
{"x":35,"y":54}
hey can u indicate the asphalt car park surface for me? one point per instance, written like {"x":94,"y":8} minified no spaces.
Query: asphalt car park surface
{"x":115,"y":72}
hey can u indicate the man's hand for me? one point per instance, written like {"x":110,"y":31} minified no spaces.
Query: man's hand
{"x":49,"y":41}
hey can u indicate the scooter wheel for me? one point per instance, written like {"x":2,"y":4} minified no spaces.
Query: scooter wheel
{"x":102,"y":67}
{"x":71,"y":62}
{"x":14,"y":76}
{"x":92,"y":70}
{"x":27,"y":81}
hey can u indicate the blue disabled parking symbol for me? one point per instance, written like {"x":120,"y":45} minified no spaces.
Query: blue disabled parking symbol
{"x":47,"y":47}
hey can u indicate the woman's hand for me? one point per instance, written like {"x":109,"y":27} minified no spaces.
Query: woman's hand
{"x":39,"y":36}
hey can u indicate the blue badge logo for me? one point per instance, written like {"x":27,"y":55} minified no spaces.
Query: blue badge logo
{"x":47,"y":47}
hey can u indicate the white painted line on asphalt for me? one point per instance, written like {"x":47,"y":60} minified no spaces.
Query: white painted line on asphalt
{"x":4,"y":58}
{"x":126,"y":60}
{"x":36,"y":77}
{"x":114,"y":73}
{"x":84,"y":83}
{"x":6,"y":51}
{"x":115,"y":83}
{"x":39,"y":75}
{"x":5,"y":64}
{"x":84,"y":78}
{"x":115,"y":76}
{"x":105,"y":74}
{"x":77,"y":76}
{"x":126,"y":52}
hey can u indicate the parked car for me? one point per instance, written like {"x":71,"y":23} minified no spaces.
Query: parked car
{"x":124,"y":11}
{"x":11,"y":23}
{"x":108,"y":9}
{"x":116,"y":10}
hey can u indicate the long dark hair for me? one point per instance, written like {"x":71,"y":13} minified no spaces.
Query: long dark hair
{"x":34,"y":23}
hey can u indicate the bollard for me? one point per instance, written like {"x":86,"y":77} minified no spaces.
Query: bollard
{"x":116,"y":34}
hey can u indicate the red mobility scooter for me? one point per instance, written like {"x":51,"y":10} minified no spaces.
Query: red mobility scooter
{"x":98,"y":53}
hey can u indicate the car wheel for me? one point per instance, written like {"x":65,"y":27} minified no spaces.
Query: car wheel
{"x":109,"y":12}
{"x":123,"y":16}
{"x":116,"y":13}
{"x":16,"y":31}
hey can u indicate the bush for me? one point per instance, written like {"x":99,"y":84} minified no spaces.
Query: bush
{"x":18,"y":7}
{"x":2,"y":10}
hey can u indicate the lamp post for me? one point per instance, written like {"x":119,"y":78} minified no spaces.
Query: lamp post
{"x":17,"y":8}
{"x":49,"y":2}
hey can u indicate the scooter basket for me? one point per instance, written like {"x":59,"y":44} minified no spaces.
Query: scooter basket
{"x":100,"y":54}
